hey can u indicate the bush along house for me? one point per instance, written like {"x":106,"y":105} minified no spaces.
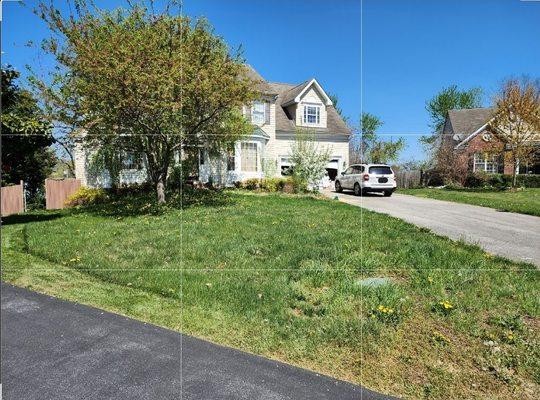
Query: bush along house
{"x":479,"y":148}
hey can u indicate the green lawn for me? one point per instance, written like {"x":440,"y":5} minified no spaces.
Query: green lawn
{"x":525,"y":201}
{"x":278,"y":275}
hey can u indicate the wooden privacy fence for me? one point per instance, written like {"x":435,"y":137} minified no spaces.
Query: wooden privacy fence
{"x":409,"y":179}
{"x":12,"y":199}
{"x":57,"y":192}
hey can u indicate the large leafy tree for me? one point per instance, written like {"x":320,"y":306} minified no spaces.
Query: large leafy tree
{"x":449,"y":98}
{"x":517,"y":121}
{"x":369,"y":147}
{"x":147,"y":83}
{"x":26,"y":136}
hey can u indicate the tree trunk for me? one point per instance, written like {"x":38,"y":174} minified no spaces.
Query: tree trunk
{"x":514,"y":175}
{"x":160,"y":188}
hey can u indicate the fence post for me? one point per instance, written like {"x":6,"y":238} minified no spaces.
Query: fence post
{"x":23,"y":195}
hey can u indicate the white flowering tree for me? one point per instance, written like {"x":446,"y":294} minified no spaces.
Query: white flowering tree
{"x":309,"y":159}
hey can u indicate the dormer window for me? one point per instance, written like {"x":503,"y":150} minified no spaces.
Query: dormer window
{"x":257,"y":113}
{"x":312,"y":114}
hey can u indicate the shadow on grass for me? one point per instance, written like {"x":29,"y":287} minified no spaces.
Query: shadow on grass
{"x":145,"y":203}
{"x":26,"y":218}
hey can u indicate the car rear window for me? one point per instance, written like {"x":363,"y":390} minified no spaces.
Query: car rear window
{"x":382,"y":170}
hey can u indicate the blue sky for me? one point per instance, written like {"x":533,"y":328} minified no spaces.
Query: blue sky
{"x":411,"y":48}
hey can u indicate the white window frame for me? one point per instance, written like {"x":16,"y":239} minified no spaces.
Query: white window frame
{"x":240,"y":165}
{"x":486,"y":162}
{"x":317,"y":114}
{"x":259,"y":113}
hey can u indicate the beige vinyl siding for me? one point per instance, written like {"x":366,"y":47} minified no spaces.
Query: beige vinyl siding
{"x":311,"y":97}
{"x":270,"y":128}
{"x":278,"y":148}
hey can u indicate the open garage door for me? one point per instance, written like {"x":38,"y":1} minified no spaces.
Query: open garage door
{"x":333,"y":168}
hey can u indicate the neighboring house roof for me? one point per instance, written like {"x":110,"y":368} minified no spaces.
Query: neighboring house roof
{"x":285,"y":122}
{"x":464,"y":124}
{"x":466,"y":121}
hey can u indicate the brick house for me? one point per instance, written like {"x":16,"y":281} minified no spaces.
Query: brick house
{"x":477,"y":146}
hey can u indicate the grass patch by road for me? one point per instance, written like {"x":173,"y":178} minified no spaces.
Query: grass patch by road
{"x":278,"y":275}
{"x":526,"y":201}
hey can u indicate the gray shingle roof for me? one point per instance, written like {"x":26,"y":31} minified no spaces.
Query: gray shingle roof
{"x":290,"y":95}
{"x":284,"y":122}
{"x":466,"y":121}
{"x":262,"y":86}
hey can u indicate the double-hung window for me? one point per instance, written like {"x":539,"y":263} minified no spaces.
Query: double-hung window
{"x":312,"y":114}
{"x":485,"y":162}
{"x":257,"y":113}
{"x":231,"y":165}
{"x":248,"y":157}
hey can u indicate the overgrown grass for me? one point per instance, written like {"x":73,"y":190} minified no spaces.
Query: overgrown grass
{"x":278,"y":275}
{"x":526,"y":201}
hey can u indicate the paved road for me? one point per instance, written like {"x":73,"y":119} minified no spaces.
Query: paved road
{"x":511,"y":235}
{"x":53,"y":349}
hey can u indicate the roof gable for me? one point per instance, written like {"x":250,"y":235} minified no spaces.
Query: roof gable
{"x":467,"y":121}
{"x":296,"y":93}
{"x":286,"y":123}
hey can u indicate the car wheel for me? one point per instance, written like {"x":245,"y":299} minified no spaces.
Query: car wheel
{"x":357,"y":190}
{"x":338,"y":187}
{"x":387,"y":193}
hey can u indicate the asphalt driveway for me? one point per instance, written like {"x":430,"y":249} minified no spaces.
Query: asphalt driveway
{"x":53,"y":349}
{"x":511,"y":235}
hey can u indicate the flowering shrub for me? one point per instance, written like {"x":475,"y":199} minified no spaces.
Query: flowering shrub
{"x":86,"y":197}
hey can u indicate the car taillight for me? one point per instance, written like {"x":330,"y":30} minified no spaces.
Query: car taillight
{"x":366,"y":177}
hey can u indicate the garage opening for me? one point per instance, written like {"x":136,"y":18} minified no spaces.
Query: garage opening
{"x":332,"y":168}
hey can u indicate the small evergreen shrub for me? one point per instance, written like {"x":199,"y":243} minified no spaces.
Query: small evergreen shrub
{"x":477,"y":180}
{"x":483,"y":180}
{"x":528,"y":181}
{"x":286,"y":185}
{"x":252,"y":184}
{"x":86,"y":197}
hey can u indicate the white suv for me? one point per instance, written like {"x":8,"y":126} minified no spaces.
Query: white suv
{"x":364,"y":178}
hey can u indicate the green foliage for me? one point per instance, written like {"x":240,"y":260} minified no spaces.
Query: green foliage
{"x":339,"y":110}
{"x":147,"y":84}
{"x":271,"y":185}
{"x":251,"y":184}
{"x":110,"y":159}
{"x":87,"y":197}
{"x":269,"y":168}
{"x":528,"y":181}
{"x":451,"y":98}
{"x":26,"y":138}
{"x":369,"y":148}
{"x":483,"y":180}
{"x":309,"y":159}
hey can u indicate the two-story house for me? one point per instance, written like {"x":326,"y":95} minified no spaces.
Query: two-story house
{"x":281,"y":109}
